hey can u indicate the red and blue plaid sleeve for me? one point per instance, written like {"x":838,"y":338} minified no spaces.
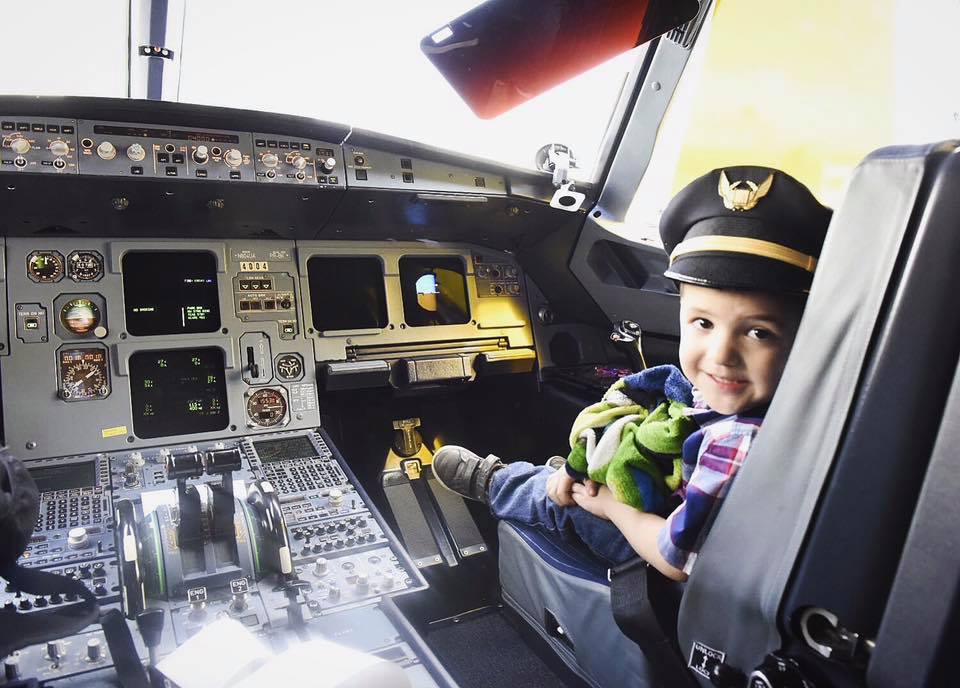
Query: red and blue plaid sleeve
{"x":722,"y":450}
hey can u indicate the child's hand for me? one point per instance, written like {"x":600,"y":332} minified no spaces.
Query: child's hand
{"x":559,"y":488}
{"x":597,"y":501}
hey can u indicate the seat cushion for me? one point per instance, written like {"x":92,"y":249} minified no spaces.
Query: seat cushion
{"x":566,"y":557}
{"x":551,"y":583}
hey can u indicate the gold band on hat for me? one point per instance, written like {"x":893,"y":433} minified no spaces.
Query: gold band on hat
{"x":752,"y":247}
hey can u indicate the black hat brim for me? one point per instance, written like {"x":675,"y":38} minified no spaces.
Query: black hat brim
{"x":736,"y":271}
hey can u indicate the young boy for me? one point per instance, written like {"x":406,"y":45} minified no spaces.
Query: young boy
{"x":743,"y":244}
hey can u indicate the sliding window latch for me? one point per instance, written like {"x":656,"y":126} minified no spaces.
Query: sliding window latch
{"x":558,"y":160}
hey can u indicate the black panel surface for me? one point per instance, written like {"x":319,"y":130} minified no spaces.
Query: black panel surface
{"x":168,"y":292}
{"x":65,"y":476}
{"x":180,"y":391}
{"x":347,"y":293}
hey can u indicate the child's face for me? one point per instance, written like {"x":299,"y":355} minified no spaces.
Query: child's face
{"x":734,"y":344}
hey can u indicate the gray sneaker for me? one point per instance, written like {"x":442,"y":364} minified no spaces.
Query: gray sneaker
{"x":556,"y":462}
{"x":463,"y":472}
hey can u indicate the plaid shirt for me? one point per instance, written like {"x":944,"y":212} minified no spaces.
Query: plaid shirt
{"x":712,"y":455}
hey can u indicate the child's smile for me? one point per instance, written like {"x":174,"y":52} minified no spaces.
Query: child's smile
{"x":734,"y":344}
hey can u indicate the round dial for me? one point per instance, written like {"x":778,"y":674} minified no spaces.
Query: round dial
{"x":20,"y":146}
{"x":266,"y":408}
{"x":83,"y":374}
{"x":232,"y":157}
{"x":45,"y":266}
{"x":59,"y":148}
{"x":107,"y":150}
{"x":80,"y":316}
{"x":297,"y":161}
{"x":85,"y":266}
{"x":289,"y":367}
{"x":136,"y":152}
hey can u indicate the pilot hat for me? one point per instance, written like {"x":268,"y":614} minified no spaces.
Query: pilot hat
{"x":747,"y":227}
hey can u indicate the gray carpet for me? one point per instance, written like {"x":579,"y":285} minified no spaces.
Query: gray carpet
{"x":487,"y":652}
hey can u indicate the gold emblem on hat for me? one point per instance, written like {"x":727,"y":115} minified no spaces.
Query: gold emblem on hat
{"x":737,"y":198}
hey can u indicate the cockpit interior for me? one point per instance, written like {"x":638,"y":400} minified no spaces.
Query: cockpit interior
{"x":233,"y":339}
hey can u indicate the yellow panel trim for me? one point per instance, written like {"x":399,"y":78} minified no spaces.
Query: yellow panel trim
{"x":113,"y":432}
{"x":753,"y":247}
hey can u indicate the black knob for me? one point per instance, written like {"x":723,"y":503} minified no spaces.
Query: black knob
{"x":341,"y":526}
{"x":317,"y":548}
{"x":85,"y":571}
{"x":25,"y":604}
{"x":350,"y":541}
{"x":40,"y":602}
{"x":55,"y":598}
{"x":100,"y":590}
{"x":11,"y":668}
{"x":98,"y":569}
{"x":184,"y":465}
{"x":150,"y":625}
{"x":224,"y":460}
{"x":327,"y":546}
{"x":297,"y":534}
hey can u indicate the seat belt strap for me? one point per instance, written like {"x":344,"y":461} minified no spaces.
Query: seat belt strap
{"x":645,"y":605}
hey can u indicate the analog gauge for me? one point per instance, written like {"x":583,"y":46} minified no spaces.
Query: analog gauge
{"x":45,"y":266}
{"x":80,"y":316}
{"x":266,"y":408}
{"x":85,"y":266}
{"x":84,"y":374}
{"x":289,"y":367}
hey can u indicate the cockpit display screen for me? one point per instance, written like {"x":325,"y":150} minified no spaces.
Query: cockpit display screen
{"x":284,"y":449}
{"x":347,"y":293}
{"x":178,"y":392}
{"x":434,"y":290}
{"x":71,"y":476}
{"x":170,"y":292}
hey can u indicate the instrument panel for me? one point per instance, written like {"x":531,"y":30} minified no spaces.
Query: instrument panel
{"x":138,"y":374}
{"x":43,"y":145}
{"x":117,"y":343}
{"x":176,"y":559}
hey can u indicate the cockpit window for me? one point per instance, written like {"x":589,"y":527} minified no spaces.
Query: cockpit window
{"x":360,"y":63}
{"x":73,"y":64}
{"x":350,"y":61}
{"x":811,"y":92}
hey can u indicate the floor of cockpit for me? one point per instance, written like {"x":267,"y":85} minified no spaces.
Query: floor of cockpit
{"x":486,"y":650}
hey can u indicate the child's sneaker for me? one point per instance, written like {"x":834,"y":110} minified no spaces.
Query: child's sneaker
{"x":556,"y":463}
{"x":463,"y":472}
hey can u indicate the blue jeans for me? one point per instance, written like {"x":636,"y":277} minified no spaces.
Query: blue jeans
{"x":518,"y":493}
